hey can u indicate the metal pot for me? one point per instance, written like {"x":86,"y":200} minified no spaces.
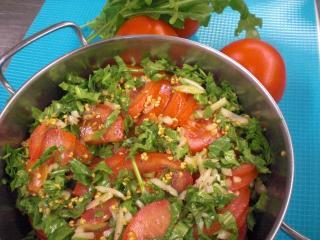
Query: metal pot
{"x":42,"y":88}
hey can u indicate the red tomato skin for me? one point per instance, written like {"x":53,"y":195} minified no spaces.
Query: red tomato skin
{"x":263,"y":61}
{"x":187,"y":111}
{"x":36,"y":182}
{"x":35,"y":144}
{"x":242,"y":232}
{"x":145,"y":25}
{"x":96,"y":117}
{"x":239,"y":209}
{"x":190,"y":28}
{"x":150,"y":222}
{"x":79,"y":189}
{"x":181,"y":180}
{"x":60,"y":138}
{"x":164,"y":93}
{"x":247,"y":173}
{"x":40,"y":140}
{"x":41,"y":235}
{"x":155,"y":162}
{"x":104,"y":209}
{"x":198,"y":137}
{"x":137,"y":105}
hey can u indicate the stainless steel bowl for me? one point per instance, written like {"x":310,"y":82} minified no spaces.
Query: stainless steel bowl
{"x":42,"y":88}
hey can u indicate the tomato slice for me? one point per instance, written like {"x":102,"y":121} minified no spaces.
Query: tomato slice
{"x":60,"y":138}
{"x":198,"y":137}
{"x":242,"y":233}
{"x":37,"y":177}
{"x":176,"y":105}
{"x":155,"y":162}
{"x":150,"y":222}
{"x":100,"y":213}
{"x":80,"y":189}
{"x":239,"y":205}
{"x":247,"y":173}
{"x":93,"y":122}
{"x":45,"y":137}
{"x":116,"y":162}
{"x":243,"y":170}
{"x":164,"y":95}
{"x":35,"y":144}
{"x":181,"y":180}
{"x":82,"y":152}
{"x":41,"y":235}
{"x":150,"y":90}
{"x":239,"y":209}
{"x":188,"y":110}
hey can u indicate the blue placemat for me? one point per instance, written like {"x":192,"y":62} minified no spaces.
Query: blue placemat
{"x":290,"y":26}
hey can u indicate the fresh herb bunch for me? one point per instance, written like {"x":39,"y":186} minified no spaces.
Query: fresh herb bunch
{"x":116,"y":12}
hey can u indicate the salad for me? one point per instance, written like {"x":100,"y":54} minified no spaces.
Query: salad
{"x":149,"y":151}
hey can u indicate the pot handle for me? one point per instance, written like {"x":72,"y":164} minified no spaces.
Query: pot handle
{"x":31,"y":39}
{"x":293,"y":233}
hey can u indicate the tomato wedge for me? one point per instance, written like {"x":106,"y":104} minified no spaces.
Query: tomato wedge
{"x":40,"y":234}
{"x":155,"y":162}
{"x":242,"y":232}
{"x":149,"y":91}
{"x":37,"y":177}
{"x":100,"y":213}
{"x":150,"y":222}
{"x":239,"y":209}
{"x":198,"y":136}
{"x":80,"y":189}
{"x":246,"y":173}
{"x":164,"y":96}
{"x":176,"y":105}
{"x":35,"y":143}
{"x":181,"y":180}
{"x":45,"y":137}
{"x":187,"y":111}
{"x":93,"y":124}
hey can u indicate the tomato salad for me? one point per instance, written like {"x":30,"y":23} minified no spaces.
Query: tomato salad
{"x":149,"y":151}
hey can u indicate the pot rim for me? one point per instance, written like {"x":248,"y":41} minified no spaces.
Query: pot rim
{"x":249,"y":76}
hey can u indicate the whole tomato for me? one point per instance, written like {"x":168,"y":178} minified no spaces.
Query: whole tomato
{"x":190,"y":27}
{"x":145,"y":25}
{"x":263,"y":61}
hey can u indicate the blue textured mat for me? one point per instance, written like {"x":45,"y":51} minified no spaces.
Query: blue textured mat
{"x":290,"y":26}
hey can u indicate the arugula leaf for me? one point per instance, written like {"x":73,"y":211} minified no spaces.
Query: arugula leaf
{"x":175,"y":209}
{"x":154,"y":69}
{"x":228,"y":222}
{"x":101,"y":151}
{"x":78,"y":208}
{"x":56,"y":228}
{"x":80,"y":172}
{"x":116,"y":12}
{"x":80,"y":93}
{"x":44,"y":157}
{"x":101,"y":174}
{"x":219,"y":147}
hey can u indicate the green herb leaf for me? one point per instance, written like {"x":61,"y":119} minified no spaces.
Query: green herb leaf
{"x":80,"y":172}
